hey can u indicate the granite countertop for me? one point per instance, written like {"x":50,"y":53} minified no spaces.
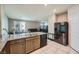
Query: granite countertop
{"x":25,"y":35}
{"x":4,"y":39}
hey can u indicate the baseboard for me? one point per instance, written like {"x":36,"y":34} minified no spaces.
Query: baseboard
{"x":57,"y":42}
{"x":74,"y":49}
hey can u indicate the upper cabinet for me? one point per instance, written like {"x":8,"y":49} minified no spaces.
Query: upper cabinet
{"x":61,"y":17}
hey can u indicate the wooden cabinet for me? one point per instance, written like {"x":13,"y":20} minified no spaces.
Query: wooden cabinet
{"x":17,"y":46}
{"x":36,"y":42}
{"x":22,"y":46}
{"x":32,"y":44}
{"x":29,"y":45}
{"x":6,"y":49}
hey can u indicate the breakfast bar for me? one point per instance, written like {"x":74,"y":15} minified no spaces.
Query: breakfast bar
{"x":22,"y":43}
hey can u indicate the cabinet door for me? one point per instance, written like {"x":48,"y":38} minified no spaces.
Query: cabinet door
{"x":17,"y":47}
{"x":29,"y":45}
{"x":36,"y":42}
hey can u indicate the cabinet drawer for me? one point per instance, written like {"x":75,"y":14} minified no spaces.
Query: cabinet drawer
{"x":17,"y":41}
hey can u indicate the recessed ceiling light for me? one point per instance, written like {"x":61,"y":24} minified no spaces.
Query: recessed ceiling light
{"x":54,"y":10}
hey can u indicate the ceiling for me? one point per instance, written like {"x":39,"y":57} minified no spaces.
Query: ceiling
{"x":34,"y":12}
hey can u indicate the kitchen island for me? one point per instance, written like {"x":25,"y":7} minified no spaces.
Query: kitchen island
{"x":23,"y":43}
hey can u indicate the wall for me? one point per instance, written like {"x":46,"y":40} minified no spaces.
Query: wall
{"x":32,"y":24}
{"x":28,"y":24}
{"x":19,"y":26}
{"x":62,"y":17}
{"x":73,"y":16}
{"x":4,"y":21}
{"x":0,"y":19}
{"x":51,"y":22}
{"x":10,"y":25}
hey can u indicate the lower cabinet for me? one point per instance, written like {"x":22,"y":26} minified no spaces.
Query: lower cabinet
{"x":17,"y":46}
{"x":32,"y":44}
{"x":22,"y":46}
{"x":29,"y":45}
{"x":36,"y":43}
{"x":6,"y":49}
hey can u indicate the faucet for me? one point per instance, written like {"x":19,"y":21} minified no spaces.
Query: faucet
{"x":5,"y":30}
{"x":8,"y":31}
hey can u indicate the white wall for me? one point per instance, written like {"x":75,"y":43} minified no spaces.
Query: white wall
{"x":32,"y":24}
{"x":73,"y":17}
{"x":4,"y":21}
{"x":51,"y":22}
{"x":28,"y":24}
{"x":10,"y":25}
{"x":0,"y":19}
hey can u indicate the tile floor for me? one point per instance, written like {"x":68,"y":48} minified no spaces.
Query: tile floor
{"x":54,"y":48}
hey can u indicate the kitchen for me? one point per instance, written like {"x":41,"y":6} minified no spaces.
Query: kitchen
{"x":20,"y":39}
{"x":23,"y":29}
{"x":20,"y":36}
